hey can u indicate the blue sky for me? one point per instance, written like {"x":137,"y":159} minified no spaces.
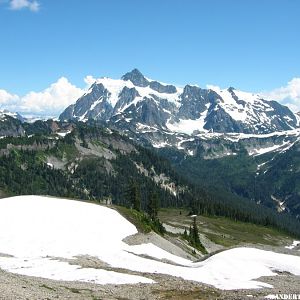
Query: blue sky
{"x":252,"y":45}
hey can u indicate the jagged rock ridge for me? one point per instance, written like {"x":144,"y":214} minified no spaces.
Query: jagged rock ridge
{"x":135,"y":100}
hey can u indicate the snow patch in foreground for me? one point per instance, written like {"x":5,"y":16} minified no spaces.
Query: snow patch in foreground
{"x":58,"y":270}
{"x":294,"y":244}
{"x":33,"y":229}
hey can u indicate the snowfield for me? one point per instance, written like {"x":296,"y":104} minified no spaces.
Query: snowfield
{"x":36,"y":233}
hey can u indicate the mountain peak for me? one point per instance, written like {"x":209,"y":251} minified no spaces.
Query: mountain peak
{"x":15,"y":115}
{"x":135,"y":71}
{"x":136,"y":77}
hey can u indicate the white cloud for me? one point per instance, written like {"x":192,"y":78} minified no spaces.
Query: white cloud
{"x":55,"y":98}
{"x":89,"y":80}
{"x":32,"y":5}
{"x":49,"y":102}
{"x":6,"y":97}
{"x":213,"y":87}
{"x":288,"y":95}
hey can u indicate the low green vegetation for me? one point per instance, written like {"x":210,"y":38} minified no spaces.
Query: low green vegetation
{"x":64,"y":151}
{"x":224,"y":231}
{"x":141,"y":220}
{"x":24,"y":172}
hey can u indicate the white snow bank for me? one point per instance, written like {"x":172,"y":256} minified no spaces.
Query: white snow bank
{"x":33,"y":229}
{"x":57,"y":270}
{"x":236,"y":268}
{"x":63,"y":133}
{"x":188,"y":126}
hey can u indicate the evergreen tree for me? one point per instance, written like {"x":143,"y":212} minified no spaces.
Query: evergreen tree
{"x":185,"y":235}
{"x":137,"y":198}
{"x":153,"y":205}
{"x":193,"y":237}
{"x":133,"y":196}
{"x":195,"y":234}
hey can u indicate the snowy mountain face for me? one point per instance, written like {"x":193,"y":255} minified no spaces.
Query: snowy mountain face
{"x":11,"y":124}
{"x":139,"y":103}
{"x":5,"y":113}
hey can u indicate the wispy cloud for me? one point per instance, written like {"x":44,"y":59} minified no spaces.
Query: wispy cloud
{"x":32,"y":5}
{"x":288,"y":95}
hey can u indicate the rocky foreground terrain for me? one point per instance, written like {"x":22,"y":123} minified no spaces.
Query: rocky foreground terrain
{"x":14,"y":286}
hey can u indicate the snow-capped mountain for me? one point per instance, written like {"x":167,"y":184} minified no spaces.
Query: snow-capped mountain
{"x":5,"y":113}
{"x":11,"y":124}
{"x":138,"y":102}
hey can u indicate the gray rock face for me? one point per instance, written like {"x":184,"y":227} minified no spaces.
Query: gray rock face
{"x":92,"y":105}
{"x":167,"y":89}
{"x":12,"y":127}
{"x":165,"y":105}
{"x":194,"y":101}
{"x":149,"y":113}
{"x":125,"y":97}
{"x":136,"y":77}
{"x":281,"y":117}
{"x":102,"y":111}
{"x":68,"y":113}
{"x":219,"y":121}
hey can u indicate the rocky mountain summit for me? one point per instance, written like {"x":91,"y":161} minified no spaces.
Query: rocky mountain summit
{"x":136,"y":101}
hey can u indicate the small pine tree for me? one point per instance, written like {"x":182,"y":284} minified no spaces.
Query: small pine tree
{"x":190,"y":234}
{"x":137,"y":198}
{"x":133,"y":196}
{"x":153,"y":206}
{"x":196,"y":239}
{"x":185,"y":235}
